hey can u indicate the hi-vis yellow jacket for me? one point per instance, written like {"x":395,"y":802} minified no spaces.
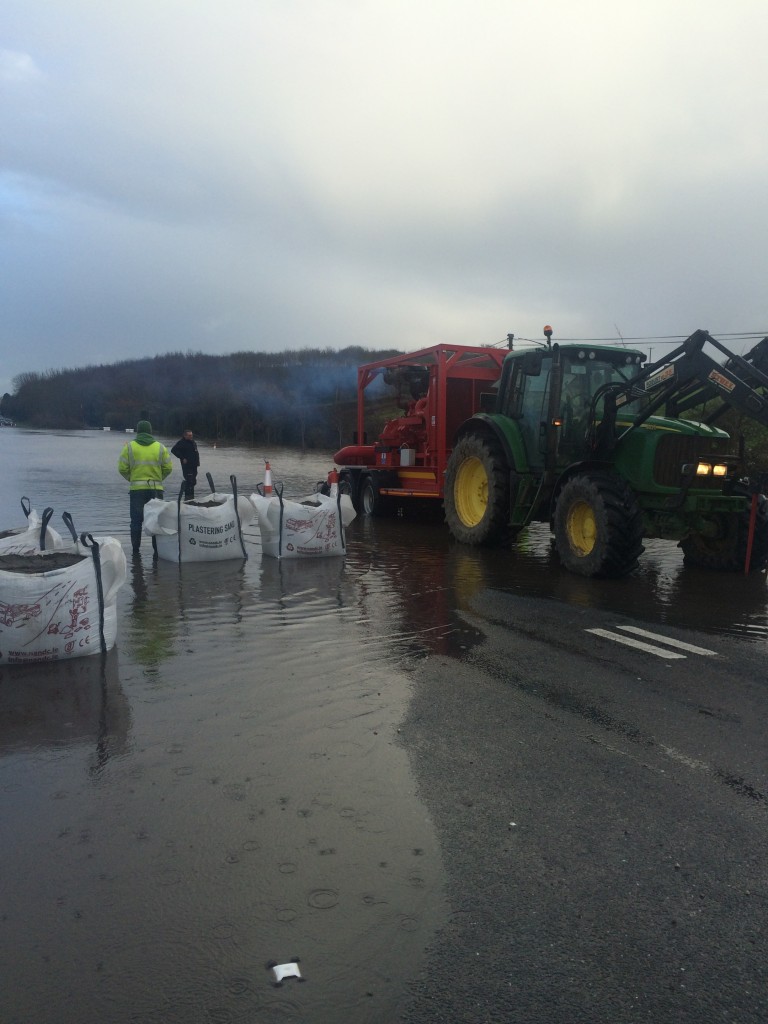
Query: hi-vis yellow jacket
{"x":145,"y":466}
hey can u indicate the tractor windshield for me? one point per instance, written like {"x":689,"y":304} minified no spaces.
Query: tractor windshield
{"x":588,"y":372}
{"x":587,"y":375}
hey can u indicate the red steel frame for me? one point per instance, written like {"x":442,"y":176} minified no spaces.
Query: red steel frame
{"x":446,"y":363}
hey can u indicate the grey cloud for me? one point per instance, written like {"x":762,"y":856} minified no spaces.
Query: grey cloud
{"x":290,"y":174}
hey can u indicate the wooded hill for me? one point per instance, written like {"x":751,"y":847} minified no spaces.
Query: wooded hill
{"x":304,"y":398}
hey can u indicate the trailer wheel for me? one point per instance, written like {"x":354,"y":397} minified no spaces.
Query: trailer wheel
{"x":477,"y":492}
{"x":728,"y":551}
{"x":598,"y":526}
{"x":371,"y":501}
{"x":347,"y":486}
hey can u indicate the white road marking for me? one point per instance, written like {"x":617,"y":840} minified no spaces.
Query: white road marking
{"x":668,"y":640}
{"x":689,"y":762}
{"x":629,"y":642}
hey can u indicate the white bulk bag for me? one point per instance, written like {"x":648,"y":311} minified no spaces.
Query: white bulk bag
{"x":199,"y":531}
{"x":60,"y":604}
{"x":28,"y":539}
{"x":296,"y":529}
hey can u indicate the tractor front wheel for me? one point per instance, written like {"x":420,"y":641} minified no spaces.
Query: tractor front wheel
{"x":727,"y":550}
{"x":598,"y":526}
{"x":477,"y":492}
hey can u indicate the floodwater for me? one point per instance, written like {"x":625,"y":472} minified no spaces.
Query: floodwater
{"x":228,"y":788}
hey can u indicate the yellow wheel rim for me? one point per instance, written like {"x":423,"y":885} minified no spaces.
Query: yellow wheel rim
{"x":470,"y":491}
{"x":581,"y":527}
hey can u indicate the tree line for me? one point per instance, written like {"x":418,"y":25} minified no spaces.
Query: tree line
{"x":305,"y":398}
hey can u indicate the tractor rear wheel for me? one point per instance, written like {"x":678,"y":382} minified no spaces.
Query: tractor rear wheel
{"x":477,"y":492}
{"x":727,"y":552}
{"x":598,"y":526}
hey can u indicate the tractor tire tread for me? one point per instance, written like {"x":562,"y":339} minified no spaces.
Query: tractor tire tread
{"x":493,"y":529}
{"x":620,"y":518}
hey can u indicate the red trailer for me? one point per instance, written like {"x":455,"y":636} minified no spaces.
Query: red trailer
{"x":438,"y":389}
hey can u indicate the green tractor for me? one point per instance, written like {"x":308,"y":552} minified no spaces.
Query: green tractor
{"x":592,"y":441}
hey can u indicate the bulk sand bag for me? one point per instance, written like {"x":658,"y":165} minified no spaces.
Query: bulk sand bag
{"x":310,"y":527}
{"x":62,"y":603}
{"x":203,"y":530}
{"x":37,"y":535}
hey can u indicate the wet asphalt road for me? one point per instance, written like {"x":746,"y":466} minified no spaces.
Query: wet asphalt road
{"x":602,"y":814}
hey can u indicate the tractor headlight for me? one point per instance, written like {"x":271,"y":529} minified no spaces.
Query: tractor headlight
{"x":705,"y":469}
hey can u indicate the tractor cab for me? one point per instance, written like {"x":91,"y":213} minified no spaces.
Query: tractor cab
{"x":556,"y":394}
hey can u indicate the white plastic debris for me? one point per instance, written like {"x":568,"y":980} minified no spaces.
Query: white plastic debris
{"x":282,"y":971}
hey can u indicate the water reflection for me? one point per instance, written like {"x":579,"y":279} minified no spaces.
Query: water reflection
{"x":207,"y":591}
{"x":435,"y":580}
{"x":57,"y":704}
{"x":287,"y":581}
{"x":414,"y":584}
{"x":731,"y":604}
{"x":153,"y":621}
{"x":175,"y":602}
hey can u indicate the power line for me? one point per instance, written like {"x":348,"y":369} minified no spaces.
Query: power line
{"x":670,"y":338}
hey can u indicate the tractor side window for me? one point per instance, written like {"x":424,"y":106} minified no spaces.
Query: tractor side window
{"x":509,"y":389}
{"x":533,"y":409}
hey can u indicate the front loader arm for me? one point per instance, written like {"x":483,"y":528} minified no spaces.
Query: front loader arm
{"x":685,"y":378}
{"x":751,"y":369}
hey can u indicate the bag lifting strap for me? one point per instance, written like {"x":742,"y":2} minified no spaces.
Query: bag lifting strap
{"x":86,"y":539}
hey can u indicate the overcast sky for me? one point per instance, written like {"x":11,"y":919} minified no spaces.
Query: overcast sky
{"x":220,"y":175}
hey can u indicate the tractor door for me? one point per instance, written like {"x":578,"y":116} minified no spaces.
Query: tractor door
{"x":534,"y":407}
{"x":578,"y":386}
{"x":524,"y":396}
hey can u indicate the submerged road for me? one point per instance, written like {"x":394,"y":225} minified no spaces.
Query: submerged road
{"x":599,"y":787}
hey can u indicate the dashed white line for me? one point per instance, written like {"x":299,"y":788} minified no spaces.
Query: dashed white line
{"x":629,"y":642}
{"x":668,"y":640}
{"x":661,"y":652}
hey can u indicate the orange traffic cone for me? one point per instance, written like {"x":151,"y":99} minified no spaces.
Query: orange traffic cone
{"x":333,"y":482}
{"x":267,"y":480}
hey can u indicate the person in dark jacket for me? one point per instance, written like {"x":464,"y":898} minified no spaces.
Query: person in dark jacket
{"x":186,"y":452}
